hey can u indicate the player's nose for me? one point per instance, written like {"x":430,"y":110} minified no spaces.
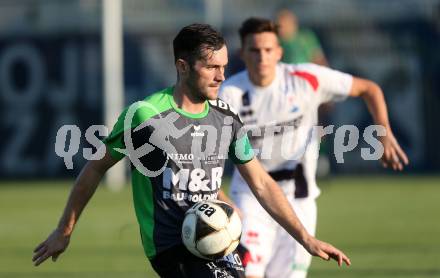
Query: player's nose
{"x":220,"y":75}
{"x":261,"y":56}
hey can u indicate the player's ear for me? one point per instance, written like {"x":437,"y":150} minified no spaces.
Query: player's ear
{"x":182,"y":67}
{"x":279,"y":52}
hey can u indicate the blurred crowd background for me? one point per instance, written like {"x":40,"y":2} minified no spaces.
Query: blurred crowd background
{"x":51,"y":71}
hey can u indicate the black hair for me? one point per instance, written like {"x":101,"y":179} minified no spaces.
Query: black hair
{"x":255,"y":25}
{"x":192,"y":41}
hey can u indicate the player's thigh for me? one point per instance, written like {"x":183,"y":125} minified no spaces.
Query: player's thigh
{"x":258,"y":227}
{"x":169,"y":264}
{"x":280,"y":264}
{"x":229,"y":266}
{"x":258,"y":235}
{"x":307,"y":213}
{"x":302,"y":259}
{"x":290,"y":258}
{"x":257,"y":250}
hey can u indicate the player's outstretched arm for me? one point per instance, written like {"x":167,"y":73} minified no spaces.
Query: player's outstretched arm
{"x":271,"y":197}
{"x":393,"y":157}
{"x":82,"y":191}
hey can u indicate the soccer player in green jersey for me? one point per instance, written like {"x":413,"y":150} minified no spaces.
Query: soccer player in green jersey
{"x":299,"y":45}
{"x":177,"y":140}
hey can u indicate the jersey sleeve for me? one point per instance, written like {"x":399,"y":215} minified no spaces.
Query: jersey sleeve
{"x":240,"y":150}
{"x":115,"y":139}
{"x":335,"y":85}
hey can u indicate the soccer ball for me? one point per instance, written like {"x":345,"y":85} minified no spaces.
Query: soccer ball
{"x":211,"y":229}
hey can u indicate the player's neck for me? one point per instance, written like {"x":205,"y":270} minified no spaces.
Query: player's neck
{"x":291,"y":36}
{"x":186,"y":101}
{"x":262,"y":81}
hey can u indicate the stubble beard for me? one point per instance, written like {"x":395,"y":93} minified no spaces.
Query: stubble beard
{"x":196,"y":92}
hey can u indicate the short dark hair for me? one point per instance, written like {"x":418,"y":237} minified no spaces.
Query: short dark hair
{"x":256,"y":25}
{"x":192,"y":41}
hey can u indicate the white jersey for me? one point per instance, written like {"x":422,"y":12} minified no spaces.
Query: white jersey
{"x":282,"y":116}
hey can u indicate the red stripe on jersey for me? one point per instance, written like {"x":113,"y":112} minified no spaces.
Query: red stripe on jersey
{"x":311,"y":78}
{"x":248,"y":258}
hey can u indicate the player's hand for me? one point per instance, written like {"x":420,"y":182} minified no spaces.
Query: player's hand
{"x":53,"y":246}
{"x":326,"y":251}
{"x":393,"y":157}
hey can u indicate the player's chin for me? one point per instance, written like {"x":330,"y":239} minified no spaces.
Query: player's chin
{"x":212,"y":92}
{"x":264,"y":72}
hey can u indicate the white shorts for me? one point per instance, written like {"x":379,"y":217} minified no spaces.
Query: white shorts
{"x":272,"y":251}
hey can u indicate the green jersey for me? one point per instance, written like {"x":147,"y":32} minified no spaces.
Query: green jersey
{"x":300,"y":49}
{"x":177,"y":159}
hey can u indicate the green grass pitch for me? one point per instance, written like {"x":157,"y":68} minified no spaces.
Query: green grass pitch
{"x":389,"y":226}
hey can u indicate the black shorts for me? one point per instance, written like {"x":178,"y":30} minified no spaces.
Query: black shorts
{"x":178,"y":262}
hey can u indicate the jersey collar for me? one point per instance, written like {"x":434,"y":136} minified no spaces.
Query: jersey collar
{"x":183,"y":112}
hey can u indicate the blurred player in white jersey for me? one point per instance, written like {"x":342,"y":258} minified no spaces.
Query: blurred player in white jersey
{"x":280,"y":102}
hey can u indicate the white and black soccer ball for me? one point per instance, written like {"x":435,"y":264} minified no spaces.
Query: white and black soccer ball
{"x":211,"y":229}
